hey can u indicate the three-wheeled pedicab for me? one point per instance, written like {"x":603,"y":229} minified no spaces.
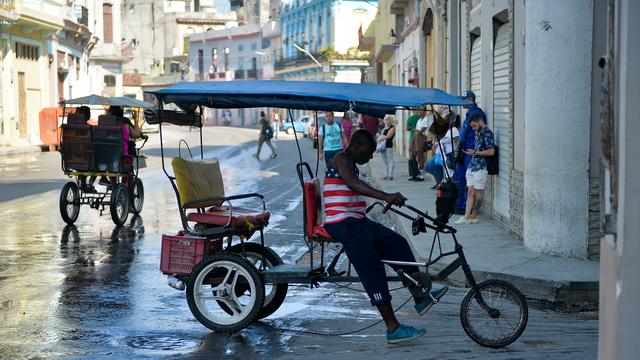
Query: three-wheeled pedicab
{"x":89,"y":152}
{"x":232,"y":283}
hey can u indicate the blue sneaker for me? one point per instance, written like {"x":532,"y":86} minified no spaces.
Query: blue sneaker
{"x":428,"y":302}
{"x":404,"y":333}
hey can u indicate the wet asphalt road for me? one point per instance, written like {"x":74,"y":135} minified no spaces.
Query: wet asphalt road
{"x":94,"y":290}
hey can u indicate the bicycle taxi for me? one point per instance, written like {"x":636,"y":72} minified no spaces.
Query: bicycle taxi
{"x":230,"y":283}
{"x":89,"y":152}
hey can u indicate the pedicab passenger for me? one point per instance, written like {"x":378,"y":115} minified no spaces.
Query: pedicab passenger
{"x":367,"y":242}
{"x":129,"y":134}
{"x":85,"y":111}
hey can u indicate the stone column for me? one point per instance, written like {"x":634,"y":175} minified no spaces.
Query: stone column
{"x":557,"y":125}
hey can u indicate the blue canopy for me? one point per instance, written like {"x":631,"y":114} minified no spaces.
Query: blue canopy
{"x":371,"y":99}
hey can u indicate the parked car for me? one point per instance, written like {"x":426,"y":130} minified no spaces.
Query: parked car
{"x":298,"y":125}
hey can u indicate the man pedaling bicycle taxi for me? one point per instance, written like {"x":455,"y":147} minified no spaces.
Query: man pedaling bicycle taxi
{"x":366,"y":242}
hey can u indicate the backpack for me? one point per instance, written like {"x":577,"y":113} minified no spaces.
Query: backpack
{"x":268,"y":133}
{"x":493,"y":162}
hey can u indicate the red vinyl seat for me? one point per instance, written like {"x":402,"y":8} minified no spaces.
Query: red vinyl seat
{"x":240,"y":217}
{"x":313,"y":212}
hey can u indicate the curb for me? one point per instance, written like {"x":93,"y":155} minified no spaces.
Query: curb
{"x":20,"y":150}
{"x":572,"y":294}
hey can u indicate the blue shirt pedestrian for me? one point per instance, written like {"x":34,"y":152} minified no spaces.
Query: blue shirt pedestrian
{"x":467,"y":141}
{"x":467,"y":135}
{"x":483,"y":140}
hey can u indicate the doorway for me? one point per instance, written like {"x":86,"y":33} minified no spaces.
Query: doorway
{"x":22,"y":105}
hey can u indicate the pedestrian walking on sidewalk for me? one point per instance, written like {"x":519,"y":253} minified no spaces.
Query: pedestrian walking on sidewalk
{"x":365,"y":241}
{"x":420,"y":141}
{"x":275,"y":119}
{"x":410,"y":126}
{"x":388,"y":133}
{"x":371,"y":124}
{"x":467,"y":141}
{"x":348,"y":126}
{"x":266,"y":133}
{"x":476,"y":175}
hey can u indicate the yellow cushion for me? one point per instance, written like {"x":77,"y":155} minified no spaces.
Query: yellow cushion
{"x":197,"y":179}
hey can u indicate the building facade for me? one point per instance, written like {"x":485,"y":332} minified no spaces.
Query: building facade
{"x":495,"y":48}
{"x":620,"y":248}
{"x":230,"y":54}
{"x":106,"y":58}
{"x":72,"y":46}
{"x":314,"y":25}
{"x":27,"y":73}
{"x":271,"y":35}
{"x":158,"y":32}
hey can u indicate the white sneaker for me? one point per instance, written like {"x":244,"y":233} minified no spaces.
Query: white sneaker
{"x":461,"y":221}
{"x":472,"y":221}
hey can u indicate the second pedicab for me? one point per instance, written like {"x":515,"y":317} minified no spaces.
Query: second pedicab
{"x":101,"y":150}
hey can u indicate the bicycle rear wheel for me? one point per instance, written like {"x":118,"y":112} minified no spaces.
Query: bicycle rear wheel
{"x":494,"y":313}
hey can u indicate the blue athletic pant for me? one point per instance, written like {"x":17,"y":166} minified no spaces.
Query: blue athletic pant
{"x":461,"y":177}
{"x":366,"y":242}
{"x":328,"y":155}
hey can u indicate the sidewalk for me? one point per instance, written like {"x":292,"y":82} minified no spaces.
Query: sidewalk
{"x":491,"y":250}
{"x":9,"y":148}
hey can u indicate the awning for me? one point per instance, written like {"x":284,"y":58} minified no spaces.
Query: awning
{"x":124,"y":101}
{"x":371,"y":99}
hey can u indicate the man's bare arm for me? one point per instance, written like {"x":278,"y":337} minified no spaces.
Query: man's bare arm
{"x":343,"y":163}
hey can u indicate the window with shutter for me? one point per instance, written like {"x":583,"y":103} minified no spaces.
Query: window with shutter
{"x":107,"y":18}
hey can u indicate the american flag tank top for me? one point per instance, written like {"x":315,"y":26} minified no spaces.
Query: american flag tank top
{"x":340,"y":202}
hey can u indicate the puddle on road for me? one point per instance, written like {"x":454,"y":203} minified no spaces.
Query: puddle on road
{"x":162,"y":342}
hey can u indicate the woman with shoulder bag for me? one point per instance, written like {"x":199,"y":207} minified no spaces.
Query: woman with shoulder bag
{"x":388,"y":133}
{"x":420,"y":139}
{"x":447,"y":137}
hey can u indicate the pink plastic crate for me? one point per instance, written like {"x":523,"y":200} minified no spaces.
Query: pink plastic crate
{"x":181,"y":253}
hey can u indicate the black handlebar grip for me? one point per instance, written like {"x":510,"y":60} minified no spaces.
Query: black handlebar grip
{"x":386,"y":208}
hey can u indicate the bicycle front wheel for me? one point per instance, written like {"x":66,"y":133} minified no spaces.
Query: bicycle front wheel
{"x":494,"y":313}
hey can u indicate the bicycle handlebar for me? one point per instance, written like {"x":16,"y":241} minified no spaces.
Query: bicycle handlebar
{"x":437,"y":225}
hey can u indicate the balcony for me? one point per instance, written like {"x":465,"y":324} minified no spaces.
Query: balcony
{"x":271,"y":29}
{"x":8,"y":10}
{"x":396,"y":7}
{"x":296,"y":61}
{"x":76,"y":24}
{"x":82,"y":15}
{"x":43,"y":14}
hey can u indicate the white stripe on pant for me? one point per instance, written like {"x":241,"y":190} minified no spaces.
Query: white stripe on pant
{"x":389,"y":164}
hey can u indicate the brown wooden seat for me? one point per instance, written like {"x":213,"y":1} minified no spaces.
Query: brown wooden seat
{"x":76,"y":145}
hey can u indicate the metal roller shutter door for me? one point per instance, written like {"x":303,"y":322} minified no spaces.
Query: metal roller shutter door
{"x":476,"y":68}
{"x":502,"y":119}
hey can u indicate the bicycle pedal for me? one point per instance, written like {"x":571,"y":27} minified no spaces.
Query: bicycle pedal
{"x":435,"y":301}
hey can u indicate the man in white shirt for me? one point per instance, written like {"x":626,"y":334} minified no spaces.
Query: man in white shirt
{"x":419,"y":139}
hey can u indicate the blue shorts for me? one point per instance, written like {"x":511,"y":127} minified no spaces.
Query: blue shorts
{"x":366,"y":242}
